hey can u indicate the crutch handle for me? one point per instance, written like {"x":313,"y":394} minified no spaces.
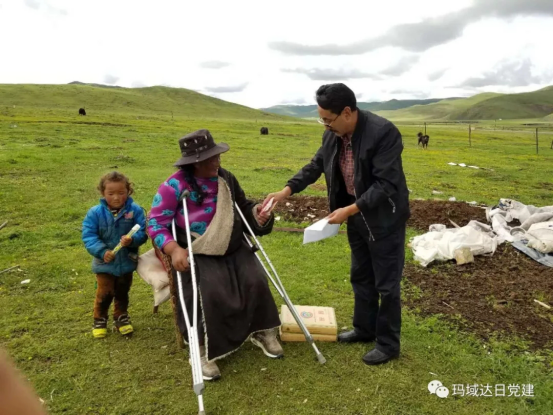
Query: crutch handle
{"x":184,"y":195}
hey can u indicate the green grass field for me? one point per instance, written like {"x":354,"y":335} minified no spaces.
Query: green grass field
{"x":50,"y":162}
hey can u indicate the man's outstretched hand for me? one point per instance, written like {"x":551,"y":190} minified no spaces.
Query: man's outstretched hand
{"x":340,"y":215}
{"x":277,"y":197}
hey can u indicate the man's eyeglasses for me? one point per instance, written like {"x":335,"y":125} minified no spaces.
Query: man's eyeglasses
{"x":321,"y":121}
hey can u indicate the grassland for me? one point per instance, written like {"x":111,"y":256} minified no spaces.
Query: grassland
{"x":50,"y":161}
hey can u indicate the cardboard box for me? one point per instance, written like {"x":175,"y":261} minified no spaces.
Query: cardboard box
{"x":318,"y":320}
{"x":299,"y":337}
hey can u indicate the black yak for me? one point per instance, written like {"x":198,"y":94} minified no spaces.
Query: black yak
{"x":423,"y":139}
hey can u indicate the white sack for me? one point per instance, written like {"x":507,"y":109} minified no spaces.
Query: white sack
{"x":440,"y":245}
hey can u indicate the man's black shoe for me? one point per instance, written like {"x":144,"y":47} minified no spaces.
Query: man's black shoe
{"x":354,"y":336}
{"x":376,"y":357}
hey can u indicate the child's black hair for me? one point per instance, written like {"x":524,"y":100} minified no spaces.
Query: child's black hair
{"x":115,"y":176}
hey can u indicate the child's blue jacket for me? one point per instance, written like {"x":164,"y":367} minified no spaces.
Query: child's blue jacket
{"x":102,"y":231}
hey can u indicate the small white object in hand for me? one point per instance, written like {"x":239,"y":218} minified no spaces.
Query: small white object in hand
{"x":268,"y":206}
{"x":320,"y":230}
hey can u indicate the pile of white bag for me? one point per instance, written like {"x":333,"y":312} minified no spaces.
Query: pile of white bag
{"x":536,"y":224}
{"x":441,"y":243}
{"x":534,"y":234}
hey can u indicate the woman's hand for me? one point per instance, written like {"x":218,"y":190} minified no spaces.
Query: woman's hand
{"x":179,"y":258}
{"x":262,"y":217}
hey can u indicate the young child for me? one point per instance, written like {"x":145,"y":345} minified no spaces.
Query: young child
{"x":105,"y":226}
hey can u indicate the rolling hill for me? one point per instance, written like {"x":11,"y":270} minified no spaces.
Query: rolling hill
{"x":442,"y":110}
{"x":535,"y":104}
{"x":300,"y":111}
{"x":99,"y":98}
{"x":310,"y":111}
{"x":486,"y":106}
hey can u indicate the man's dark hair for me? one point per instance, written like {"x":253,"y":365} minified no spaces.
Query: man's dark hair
{"x":336,"y":97}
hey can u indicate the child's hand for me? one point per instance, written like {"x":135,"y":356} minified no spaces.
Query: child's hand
{"x":109,"y":256}
{"x":126,"y":240}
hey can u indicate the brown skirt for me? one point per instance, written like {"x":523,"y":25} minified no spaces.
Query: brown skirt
{"x":234,"y":301}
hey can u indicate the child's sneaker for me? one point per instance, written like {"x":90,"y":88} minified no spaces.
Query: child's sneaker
{"x":100,"y":328}
{"x":123,"y":324}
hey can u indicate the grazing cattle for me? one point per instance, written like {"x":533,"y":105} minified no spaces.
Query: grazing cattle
{"x":264,"y":131}
{"x":423,"y":139}
{"x":82,"y":111}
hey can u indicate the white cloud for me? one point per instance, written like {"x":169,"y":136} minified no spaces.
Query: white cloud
{"x":331,"y":74}
{"x":110,"y":79}
{"x":227,"y":88}
{"x":46,"y":6}
{"x":214,"y":64}
{"x":144,"y":43}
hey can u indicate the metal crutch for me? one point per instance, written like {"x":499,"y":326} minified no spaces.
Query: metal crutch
{"x":193,"y":341}
{"x":279,"y":287}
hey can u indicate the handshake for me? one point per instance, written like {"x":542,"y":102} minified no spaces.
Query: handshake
{"x":335,"y":218}
{"x":264,"y":210}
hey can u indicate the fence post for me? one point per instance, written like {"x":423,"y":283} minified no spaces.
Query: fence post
{"x":470,"y":140}
{"x":424,"y":128}
{"x":537,"y":147}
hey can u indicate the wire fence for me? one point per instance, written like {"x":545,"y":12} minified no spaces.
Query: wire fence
{"x":540,"y":133}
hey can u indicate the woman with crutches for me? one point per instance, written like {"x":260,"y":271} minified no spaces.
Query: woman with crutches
{"x":233,"y":295}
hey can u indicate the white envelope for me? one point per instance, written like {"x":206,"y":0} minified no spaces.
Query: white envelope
{"x":320,"y":230}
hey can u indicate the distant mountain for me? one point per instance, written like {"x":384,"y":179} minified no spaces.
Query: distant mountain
{"x":486,"y":106}
{"x":397,"y":104}
{"x":310,"y":111}
{"x":301,"y":111}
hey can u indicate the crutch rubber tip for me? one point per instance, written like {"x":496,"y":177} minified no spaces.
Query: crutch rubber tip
{"x":321,"y":359}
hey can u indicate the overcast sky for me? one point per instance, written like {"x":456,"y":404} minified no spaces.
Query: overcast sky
{"x":260,"y":54}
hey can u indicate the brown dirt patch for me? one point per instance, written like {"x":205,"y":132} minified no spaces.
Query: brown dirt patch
{"x":303,"y":209}
{"x":423,"y":212}
{"x":428,"y":212}
{"x":492,"y":296}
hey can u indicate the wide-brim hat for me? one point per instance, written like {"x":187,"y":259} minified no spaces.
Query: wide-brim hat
{"x":198,"y":146}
